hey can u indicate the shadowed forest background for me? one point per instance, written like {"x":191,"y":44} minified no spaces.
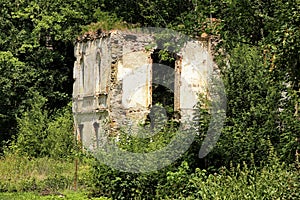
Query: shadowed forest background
{"x":257,"y":155}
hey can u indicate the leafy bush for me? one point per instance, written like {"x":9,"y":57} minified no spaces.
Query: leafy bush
{"x":110,"y":182}
{"x":32,"y":129}
{"x":274,"y":181}
{"x":106,"y":22}
{"x":60,"y":140}
{"x":260,"y":109}
{"x":40,"y":135}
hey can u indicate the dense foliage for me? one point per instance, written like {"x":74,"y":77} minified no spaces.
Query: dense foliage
{"x":36,"y":53}
{"x":257,"y":155}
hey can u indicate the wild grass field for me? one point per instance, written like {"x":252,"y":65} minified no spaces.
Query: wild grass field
{"x":45,"y":178}
{"x":68,"y":195}
{"x":42,"y":178}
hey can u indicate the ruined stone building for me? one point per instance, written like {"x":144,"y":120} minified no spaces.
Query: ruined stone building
{"x":120,"y":75}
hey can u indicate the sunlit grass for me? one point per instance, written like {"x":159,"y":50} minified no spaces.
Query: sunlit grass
{"x":36,"y":196}
{"x":22,"y":174}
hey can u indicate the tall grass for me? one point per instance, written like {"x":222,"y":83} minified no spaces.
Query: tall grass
{"x":36,"y":174}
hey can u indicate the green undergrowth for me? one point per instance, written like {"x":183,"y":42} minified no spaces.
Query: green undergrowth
{"x":46,"y":178}
{"x":20,"y":174}
{"x":36,"y":196}
{"x":273,"y":180}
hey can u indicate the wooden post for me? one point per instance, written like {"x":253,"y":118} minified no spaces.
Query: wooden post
{"x":76,"y":174}
{"x":76,"y":159}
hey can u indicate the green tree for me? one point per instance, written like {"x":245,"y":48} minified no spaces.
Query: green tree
{"x":36,"y":44}
{"x":40,"y":134}
{"x":17,"y":81}
{"x":32,"y":129}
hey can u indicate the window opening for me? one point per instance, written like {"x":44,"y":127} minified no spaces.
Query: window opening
{"x":80,"y":127}
{"x":163,"y":95}
{"x":82,"y":71}
{"x":96,"y":128}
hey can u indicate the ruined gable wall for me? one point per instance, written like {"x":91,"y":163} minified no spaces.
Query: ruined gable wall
{"x":130,"y":68}
{"x":112,"y":86}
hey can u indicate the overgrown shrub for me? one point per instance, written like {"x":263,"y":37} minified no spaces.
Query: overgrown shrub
{"x":41,"y":134}
{"x":272,"y":181}
{"x":260,"y":111}
{"x":32,"y":129}
{"x":60,"y":139}
{"x":110,"y":182}
{"x":275,"y":181}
